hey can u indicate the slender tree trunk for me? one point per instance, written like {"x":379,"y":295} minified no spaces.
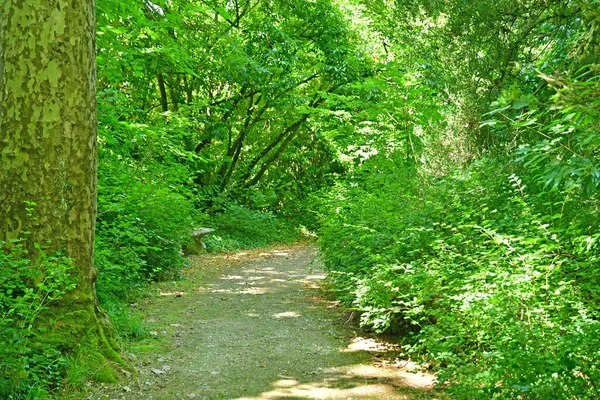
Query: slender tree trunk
{"x":284,"y":138}
{"x":207,"y":141}
{"x":261,"y":172}
{"x":173,"y":92}
{"x":48,"y":155}
{"x":164,"y":102}
{"x":188,"y":89}
{"x":238,"y":149}
{"x":290,"y":130}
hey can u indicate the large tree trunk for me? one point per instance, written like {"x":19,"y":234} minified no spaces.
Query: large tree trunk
{"x":48,"y":154}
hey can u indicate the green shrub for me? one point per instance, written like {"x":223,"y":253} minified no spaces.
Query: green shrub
{"x":27,"y":369}
{"x":141,"y":228}
{"x":239,"y":227}
{"x":127,"y":322}
{"x":489,"y":281}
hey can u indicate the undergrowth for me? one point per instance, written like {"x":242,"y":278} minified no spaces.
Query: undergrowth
{"x":239,"y":227}
{"x":488,"y":278}
{"x":29,"y":370}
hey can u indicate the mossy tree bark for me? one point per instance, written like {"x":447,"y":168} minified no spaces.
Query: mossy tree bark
{"x":48,"y":153}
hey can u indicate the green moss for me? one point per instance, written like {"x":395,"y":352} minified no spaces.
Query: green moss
{"x":79,"y":329}
{"x":98,"y":369}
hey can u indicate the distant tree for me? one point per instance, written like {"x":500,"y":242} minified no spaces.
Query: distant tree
{"x":48,"y":154}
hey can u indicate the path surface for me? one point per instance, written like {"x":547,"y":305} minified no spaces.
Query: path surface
{"x":253,"y":326}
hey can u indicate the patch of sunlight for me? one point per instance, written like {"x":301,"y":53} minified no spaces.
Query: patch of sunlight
{"x":288,"y":314}
{"x":213,"y":290}
{"x":315,"y":390}
{"x":312,"y":286}
{"x":252,"y":315}
{"x":392,"y":374}
{"x":370,"y":345}
{"x":254,"y":291}
{"x":274,"y":280}
{"x":285,"y":383}
{"x":176,"y":294}
{"x":231,"y":277}
{"x":315,"y":277}
{"x":255,"y":278}
{"x":305,"y":232}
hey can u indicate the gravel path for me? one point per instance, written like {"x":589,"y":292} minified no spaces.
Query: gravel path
{"x":253,"y":326}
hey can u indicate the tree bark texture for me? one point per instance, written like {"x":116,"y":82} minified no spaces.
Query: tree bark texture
{"x":48,"y":143}
{"x":48,"y":125}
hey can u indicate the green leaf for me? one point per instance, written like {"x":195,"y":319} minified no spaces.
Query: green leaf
{"x":519,"y":105}
{"x":223,"y":13}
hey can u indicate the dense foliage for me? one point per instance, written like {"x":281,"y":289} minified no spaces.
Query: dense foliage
{"x":447,"y":153}
{"x":482,"y":254}
{"x":205,"y":114}
{"x":492,"y":284}
{"x":225,"y":116}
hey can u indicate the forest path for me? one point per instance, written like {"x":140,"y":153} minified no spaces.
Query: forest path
{"x":252,"y":325}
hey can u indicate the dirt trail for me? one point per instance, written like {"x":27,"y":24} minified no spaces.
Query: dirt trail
{"x":252,"y":326}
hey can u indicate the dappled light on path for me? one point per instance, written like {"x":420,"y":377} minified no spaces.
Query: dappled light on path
{"x":288,"y":314}
{"x":371,"y":345}
{"x":350,"y":382}
{"x":255,"y":326}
